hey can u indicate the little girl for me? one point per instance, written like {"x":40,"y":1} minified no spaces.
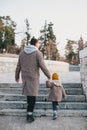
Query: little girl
{"x":56,"y":93}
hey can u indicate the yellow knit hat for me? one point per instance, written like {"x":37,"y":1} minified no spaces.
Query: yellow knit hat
{"x":55,"y":76}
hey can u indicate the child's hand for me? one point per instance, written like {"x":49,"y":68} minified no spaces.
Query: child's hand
{"x":65,"y":97}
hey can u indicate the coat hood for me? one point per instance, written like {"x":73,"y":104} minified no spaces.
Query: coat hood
{"x":57,"y":83}
{"x":30,"y":49}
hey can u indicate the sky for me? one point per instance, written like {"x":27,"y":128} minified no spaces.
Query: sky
{"x":69,"y":17}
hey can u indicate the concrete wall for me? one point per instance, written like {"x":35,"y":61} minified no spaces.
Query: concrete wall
{"x":83,"y":69}
{"x":9,"y":65}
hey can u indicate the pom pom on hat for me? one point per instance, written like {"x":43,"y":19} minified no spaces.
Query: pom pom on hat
{"x":55,"y":76}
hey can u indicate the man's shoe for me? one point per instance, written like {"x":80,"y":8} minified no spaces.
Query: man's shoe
{"x":54,"y":116}
{"x":30,"y":118}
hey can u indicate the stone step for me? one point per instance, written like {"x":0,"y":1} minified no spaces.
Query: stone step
{"x":40,"y":112}
{"x":17,"y":85}
{"x":69,"y":91}
{"x":74,"y":68}
{"x":19,"y":97}
{"x":43,"y":105}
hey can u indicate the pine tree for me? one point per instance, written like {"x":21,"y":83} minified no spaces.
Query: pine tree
{"x":43,"y":38}
{"x":27,"y":31}
{"x":48,"y":42}
{"x":50,"y":34}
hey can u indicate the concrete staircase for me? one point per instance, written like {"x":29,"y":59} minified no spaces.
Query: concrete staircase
{"x":13,"y":103}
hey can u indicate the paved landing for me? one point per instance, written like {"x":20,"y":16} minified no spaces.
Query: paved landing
{"x":43,"y":123}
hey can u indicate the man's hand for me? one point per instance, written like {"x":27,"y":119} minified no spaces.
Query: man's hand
{"x":17,"y":80}
{"x":65,"y":97}
{"x":49,"y":79}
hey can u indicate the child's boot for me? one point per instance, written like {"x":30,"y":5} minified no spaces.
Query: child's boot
{"x":54,"y":115}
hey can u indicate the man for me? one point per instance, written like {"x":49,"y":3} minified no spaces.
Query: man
{"x":29,"y":62}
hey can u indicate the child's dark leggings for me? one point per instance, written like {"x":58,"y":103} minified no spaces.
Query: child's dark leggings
{"x":55,"y":105}
{"x":31,"y":100}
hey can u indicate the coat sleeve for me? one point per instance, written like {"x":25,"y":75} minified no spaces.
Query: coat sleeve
{"x":49,"y":84}
{"x":42,"y":65}
{"x":63,"y":92}
{"x":18,"y":69}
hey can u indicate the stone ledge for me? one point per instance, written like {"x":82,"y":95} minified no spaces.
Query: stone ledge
{"x":9,"y":65}
{"x":83,"y":53}
{"x":83,"y":69}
